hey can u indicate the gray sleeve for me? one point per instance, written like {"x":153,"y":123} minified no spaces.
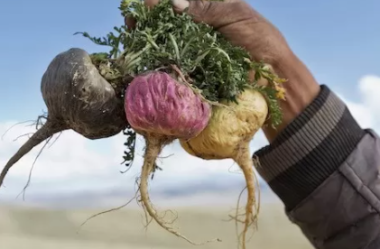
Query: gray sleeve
{"x":326,"y":170}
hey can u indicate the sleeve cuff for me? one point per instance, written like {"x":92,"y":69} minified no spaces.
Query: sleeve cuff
{"x":309,"y":149}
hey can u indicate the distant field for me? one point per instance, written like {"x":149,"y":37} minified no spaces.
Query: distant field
{"x":26,"y":228}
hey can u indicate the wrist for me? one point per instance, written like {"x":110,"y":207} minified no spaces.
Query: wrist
{"x":301,"y":89}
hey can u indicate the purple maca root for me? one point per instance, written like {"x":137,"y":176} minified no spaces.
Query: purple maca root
{"x":156,"y":103}
{"x":161,"y":109}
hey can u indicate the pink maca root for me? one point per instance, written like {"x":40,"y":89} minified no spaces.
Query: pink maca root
{"x":157,"y":103}
{"x":162,"y":110}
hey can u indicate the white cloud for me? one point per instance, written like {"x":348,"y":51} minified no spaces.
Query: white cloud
{"x":370,"y":89}
{"x":366,"y":111}
{"x":74,"y":164}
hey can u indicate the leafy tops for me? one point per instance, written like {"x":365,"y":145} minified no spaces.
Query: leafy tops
{"x":161,"y":38}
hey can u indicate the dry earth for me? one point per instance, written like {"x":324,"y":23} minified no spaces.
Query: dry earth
{"x":26,"y":228}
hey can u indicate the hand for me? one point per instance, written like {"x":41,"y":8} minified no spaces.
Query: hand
{"x":243,"y":26}
{"x":240,"y":24}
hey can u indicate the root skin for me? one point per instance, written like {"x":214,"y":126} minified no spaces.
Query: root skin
{"x":74,"y":91}
{"x":45,"y":132}
{"x":246,"y":164}
{"x":154,"y":146}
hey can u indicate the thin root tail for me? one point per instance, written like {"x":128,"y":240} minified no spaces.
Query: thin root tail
{"x":154,"y":146}
{"x":45,"y":132}
{"x":252,"y":206}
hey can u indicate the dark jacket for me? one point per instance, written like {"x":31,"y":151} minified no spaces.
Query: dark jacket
{"x":326,"y":170}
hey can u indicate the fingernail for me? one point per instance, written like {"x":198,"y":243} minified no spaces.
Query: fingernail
{"x":180,"y":5}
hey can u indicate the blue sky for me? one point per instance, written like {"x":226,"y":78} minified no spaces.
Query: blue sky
{"x":338,"y":40}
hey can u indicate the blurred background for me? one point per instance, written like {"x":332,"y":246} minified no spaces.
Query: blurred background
{"x":75,"y":178}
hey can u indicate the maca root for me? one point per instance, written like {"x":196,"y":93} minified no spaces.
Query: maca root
{"x":245,"y":163}
{"x":154,"y":145}
{"x":44,"y":133}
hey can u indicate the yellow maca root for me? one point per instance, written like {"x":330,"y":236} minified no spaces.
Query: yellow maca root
{"x":227,"y":135}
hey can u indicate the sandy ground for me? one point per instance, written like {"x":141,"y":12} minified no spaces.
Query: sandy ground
{"x":25,"y":228}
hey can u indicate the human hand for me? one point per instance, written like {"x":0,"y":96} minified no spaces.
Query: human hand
{"x":243,"y":26}
{"x":239,"y":23}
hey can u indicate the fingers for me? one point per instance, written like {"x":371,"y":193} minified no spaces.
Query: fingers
{"x":151,"y":3}
{"x":180,"y":6}
{"x":131,"y":22}
{"x":219,"y":14}
{"x":214,"y":13}
{"x":262,"y":81}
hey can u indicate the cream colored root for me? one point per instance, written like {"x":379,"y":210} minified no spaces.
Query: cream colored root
{"x":153,"y":149}
{"x":256,"y":163}
{"x":246,"y":164}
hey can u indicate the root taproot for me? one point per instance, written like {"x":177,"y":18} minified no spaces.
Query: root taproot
{"x":245,"y":163}
{"x":45,"y":132}
{"x":154,"y":146}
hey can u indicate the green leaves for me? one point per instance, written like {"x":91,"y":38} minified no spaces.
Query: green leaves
{"x":162,"y":38}
{"x":129,"y":154}
{"x":111,"y":40}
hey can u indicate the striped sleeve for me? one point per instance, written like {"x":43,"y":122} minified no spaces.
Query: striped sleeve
{"x":309,"y":149}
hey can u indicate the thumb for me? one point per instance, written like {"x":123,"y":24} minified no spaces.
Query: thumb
{"x":180,"y":6}
{"x":214,"y":13}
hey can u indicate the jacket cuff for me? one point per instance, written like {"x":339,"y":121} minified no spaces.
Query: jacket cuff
{"x":309,"y":149}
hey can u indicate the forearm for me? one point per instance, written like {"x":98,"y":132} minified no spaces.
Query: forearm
{"x":324,"y":168}
{"x":310,"y":148}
